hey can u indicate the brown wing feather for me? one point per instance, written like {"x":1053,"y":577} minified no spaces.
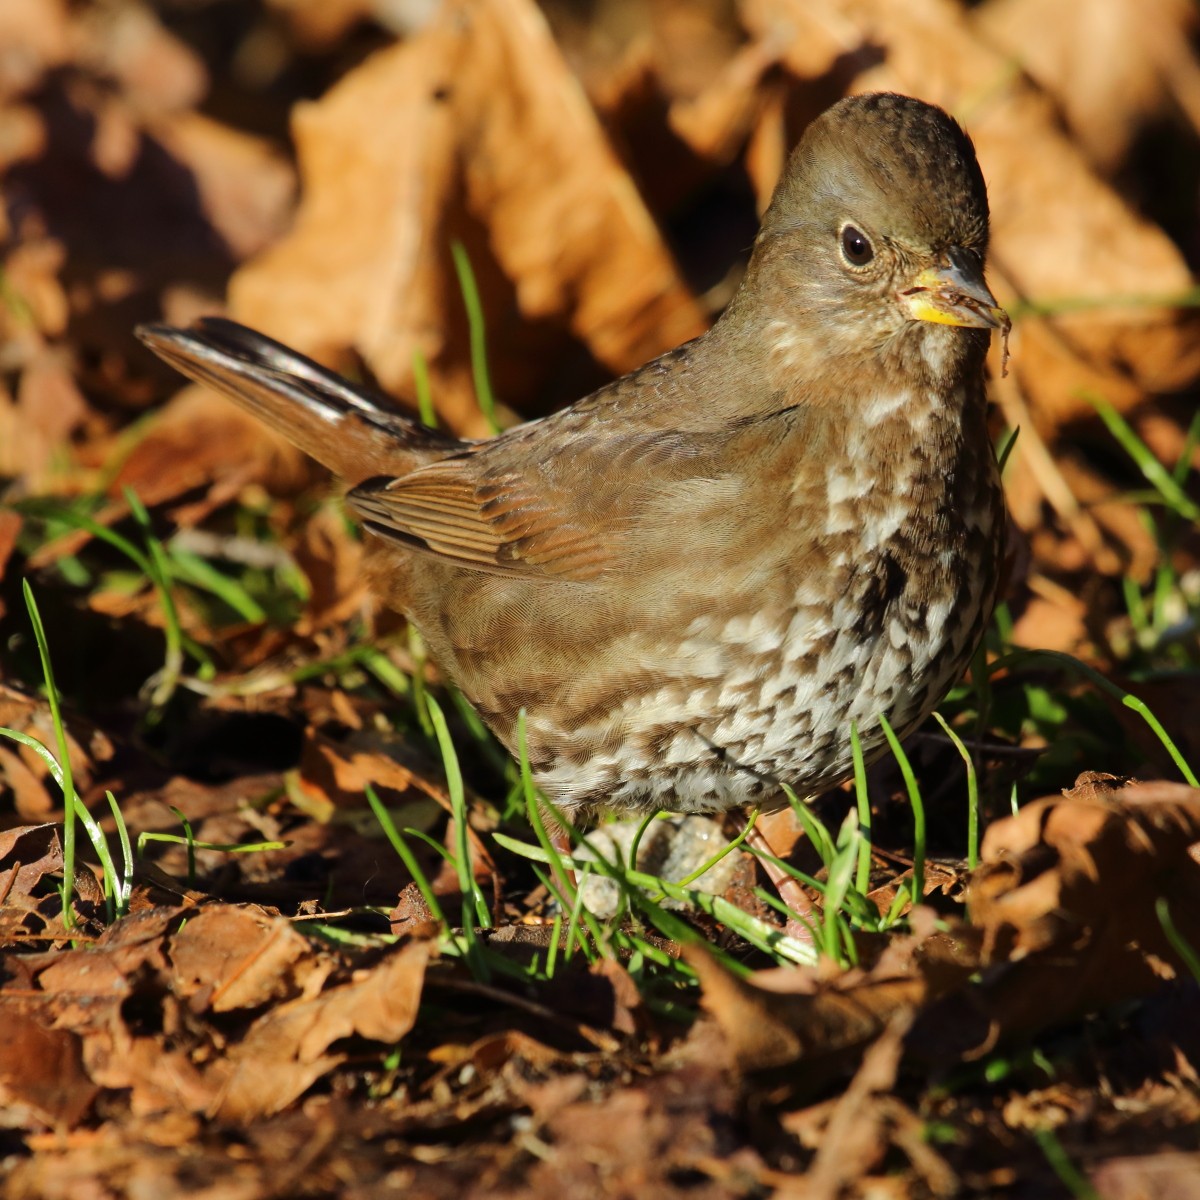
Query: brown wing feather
{"x":498,"y":525}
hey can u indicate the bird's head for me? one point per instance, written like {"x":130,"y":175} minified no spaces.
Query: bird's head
{"x":876,"y":238}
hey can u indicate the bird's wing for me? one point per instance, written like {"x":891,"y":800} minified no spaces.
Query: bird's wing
{"x":494,"y":523}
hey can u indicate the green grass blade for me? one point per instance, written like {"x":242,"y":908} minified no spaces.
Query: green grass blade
{"x":478,"y":333}
{"x":758,"y":933}
{"x":177,"y":839}
{"x":64,"y":777}
{"x":1006,"y":447}
{"x":972,"y":792}
{"x":79,"y":809}
{"x":918,"y":809}
{"x":813,"y":827}
{"x":406,"y":856}
{"x":385,"y":671}
{"x":1068,"y":1173}
{"x":533,"y":809}
{"x":639,"y":834}
{"x":458,"y":806}
{"x":189,"y":839}
{"x":1183,"y":464}
{"x":424,"y":391}
{"x":474,"y":911}
{"x":835,"y":894}
{"x":159,"y":572}
{"x":1159,"y":478}
{"x":1180,"y":944}
{"x":1018,"y":311}
{"x":420,"y":692}
{"x":725,"y":850}
{"x":124,"y":882}
{"x":862,"y":877}
{"x":556,"y":938}
{"x":188,"y":567}
{"x":1017,"y":657}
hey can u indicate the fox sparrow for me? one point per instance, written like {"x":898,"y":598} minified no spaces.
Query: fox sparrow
{"x":694,"y":579}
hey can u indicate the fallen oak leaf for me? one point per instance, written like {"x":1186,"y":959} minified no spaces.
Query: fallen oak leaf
{"x":1109,"y":76}
{"x":232,"y":957}
{"x":289,"y":1048}
{"x":100,"y":995}
{"x":824,"y":1021}
{"x":1066,"y":904}
{"x":866,"y":1120}
{"x":31,"y":865}
{"x":42,"y":1077}
{"x":1068,"y":870}
{"x":1064,"y":923}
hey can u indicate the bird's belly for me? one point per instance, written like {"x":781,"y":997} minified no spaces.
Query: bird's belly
{"x":749,"y":703}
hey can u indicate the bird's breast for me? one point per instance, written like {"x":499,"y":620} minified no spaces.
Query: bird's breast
{"x":863,"y":594}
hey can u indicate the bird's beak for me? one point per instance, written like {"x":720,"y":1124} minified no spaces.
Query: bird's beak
{"x":953,"y":293}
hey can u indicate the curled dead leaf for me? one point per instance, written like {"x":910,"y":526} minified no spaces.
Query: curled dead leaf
{"x":1086,"y":868}
{"x":230,"y":957}
{"x":290,"y":1047}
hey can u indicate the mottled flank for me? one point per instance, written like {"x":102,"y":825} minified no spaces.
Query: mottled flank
{"x":695,"y":579}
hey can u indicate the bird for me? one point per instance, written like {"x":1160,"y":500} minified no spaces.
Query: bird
{"x":695,"y":580}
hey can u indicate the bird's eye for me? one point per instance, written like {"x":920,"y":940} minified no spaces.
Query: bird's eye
{"x":856,"y":246}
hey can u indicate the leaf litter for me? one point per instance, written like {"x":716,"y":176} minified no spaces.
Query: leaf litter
{"x":303,"y":1005}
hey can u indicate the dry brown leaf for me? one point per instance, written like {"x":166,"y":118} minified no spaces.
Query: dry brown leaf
{"x":22,"y":137}
{"x":478,"y":110}
{"x":1063,"y":910}
{"x":1065,"y":903}
{"x":319,"y":24}
{"x":128,"y":44}
{"x":245,"y":186}
{"x":332,"y":562}
{"x":781,"y":830}
{"x":31,"y":271}
{"x":10,"y":530}
{"x":1082,"y":871}
{"x":794,"y":1014}
{"x":290,"y":1047}
{"x":48,"y":409}
{"x":230,"y":957}
{"x":856,"y":1136}
{"x":338,"y":770}
{"x":27,"y":854}
{"x":1052,"y":622}
{"x":643,"y":1139}
{"x":717,"y":121}
{"x":36,"y":36}
{"x":87,"y":746}
{"x":172,"y":197}
{"x":811,"y":37}
{"x":31,"y":794}
{"x":85,"y":991}
{"x":42,"y":1079}
{"x":1106,"y":72}
{"x":1161,"y":1175}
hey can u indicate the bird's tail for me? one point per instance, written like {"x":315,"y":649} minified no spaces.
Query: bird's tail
{"x":352,"y":430}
